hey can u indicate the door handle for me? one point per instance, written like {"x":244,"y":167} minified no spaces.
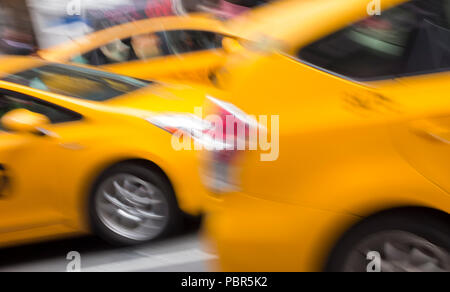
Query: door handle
{"x":45,"y":133}
{"x":71,"y":146}
{"x":431,"y":131}
{"x":4,"y":181}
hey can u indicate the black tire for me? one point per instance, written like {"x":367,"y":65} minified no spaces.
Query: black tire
{"x":153,"y":176}
{"x":433,"y":227}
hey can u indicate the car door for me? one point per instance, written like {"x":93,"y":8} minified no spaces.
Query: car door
{"x":29,"y":195}
{"x":425,"y":141}
{"x":405,"y":55}
{"x":366,"y":71}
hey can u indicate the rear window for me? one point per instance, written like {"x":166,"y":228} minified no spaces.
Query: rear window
{"x":77,"y":82}
{"x":409,"y":39}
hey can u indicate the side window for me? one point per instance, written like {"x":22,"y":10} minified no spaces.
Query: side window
{"x":54,"y":113}
{"x":413,"y":38}
{"x":185,"y":41}
{"x":148,"y":46}
{"x":118,"y":51}
{"x":174,"y":42}
{"x":151,"y":45}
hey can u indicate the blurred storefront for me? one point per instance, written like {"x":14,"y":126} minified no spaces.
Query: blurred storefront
{"x":16,"y":28}
{"x":29,"y":24}
{"x":56,"y":21}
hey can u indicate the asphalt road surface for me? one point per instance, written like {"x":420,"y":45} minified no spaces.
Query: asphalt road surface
{"x":179,"y":253}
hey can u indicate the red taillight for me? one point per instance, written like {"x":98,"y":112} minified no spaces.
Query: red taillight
{"x":223,"y":134}
{"x":234,"y":131}
{"x":220,"y":171}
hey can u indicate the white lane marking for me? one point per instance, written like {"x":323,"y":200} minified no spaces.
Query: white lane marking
{"x":155,"y":261}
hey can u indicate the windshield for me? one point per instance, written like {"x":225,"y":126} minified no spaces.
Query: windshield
{"x":77,"y":82}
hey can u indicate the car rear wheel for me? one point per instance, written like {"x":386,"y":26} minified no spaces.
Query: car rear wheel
{"x":404,"y":243}
{"x":131,"y":204}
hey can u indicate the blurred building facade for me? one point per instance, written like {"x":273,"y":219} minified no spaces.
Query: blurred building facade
{"x":29,"y":24}
{"x":16,"y":28}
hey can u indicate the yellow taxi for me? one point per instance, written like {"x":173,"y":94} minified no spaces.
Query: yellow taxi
{"x":350,"y":170}
{"x":169,"y":47}
{"x":83,"y":150}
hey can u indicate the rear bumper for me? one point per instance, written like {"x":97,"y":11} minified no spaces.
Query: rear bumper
{"x":255,"y":235}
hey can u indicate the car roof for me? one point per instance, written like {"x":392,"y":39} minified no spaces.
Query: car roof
{"x":13,"y":64}
{"x":91,"y":41}
{"x":281,"y":20}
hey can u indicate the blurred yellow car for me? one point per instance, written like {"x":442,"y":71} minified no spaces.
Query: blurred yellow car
{"x":357,"y":178}
{"x":80,"y":153}
{"x":170,"y":47}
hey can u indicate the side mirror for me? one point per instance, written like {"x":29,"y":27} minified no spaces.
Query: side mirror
{"x":231,"y":45}
{"x":23,"y":121}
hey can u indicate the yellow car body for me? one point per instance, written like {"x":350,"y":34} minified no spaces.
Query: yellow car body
{"x":47,"y":176}
{"x":349,"y":149}
{"x":178,"y":61}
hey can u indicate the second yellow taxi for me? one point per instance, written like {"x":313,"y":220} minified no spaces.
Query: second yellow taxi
{"x":171,"y":47}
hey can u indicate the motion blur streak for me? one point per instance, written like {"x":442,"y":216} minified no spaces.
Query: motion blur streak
{"x":328,"y":147}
